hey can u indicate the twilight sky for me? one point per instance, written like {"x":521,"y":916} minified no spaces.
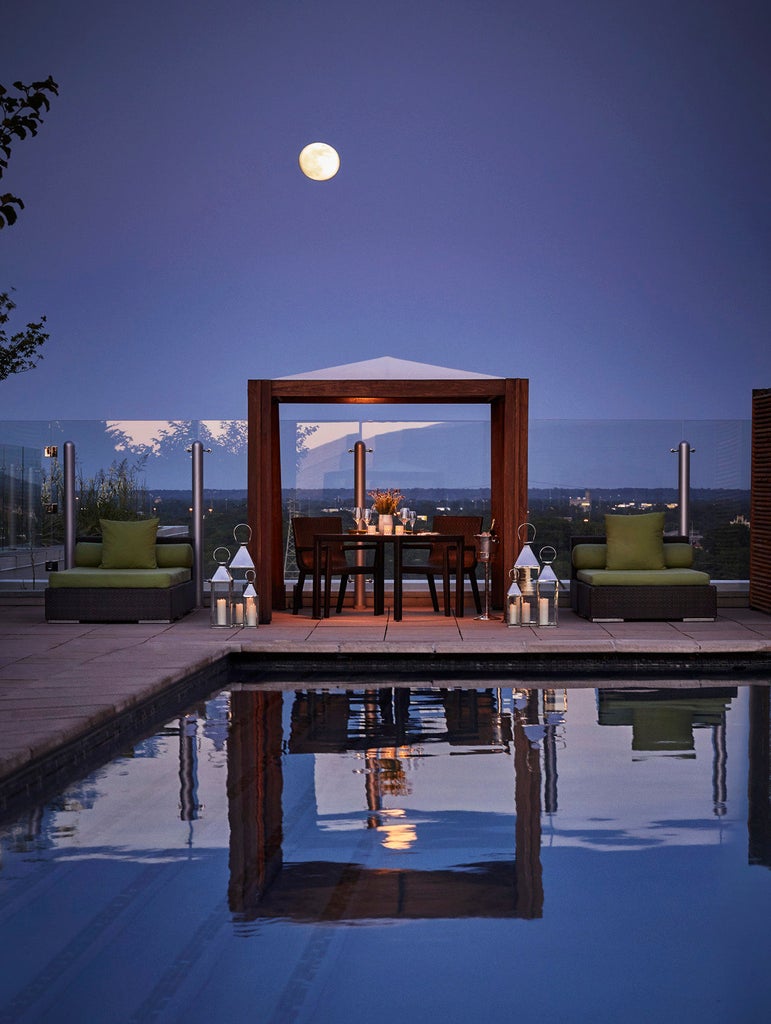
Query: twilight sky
{"x":573,"y":191}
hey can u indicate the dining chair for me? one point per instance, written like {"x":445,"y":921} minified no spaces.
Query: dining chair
{"x":468,"y":526}
{"x":304,"y":529}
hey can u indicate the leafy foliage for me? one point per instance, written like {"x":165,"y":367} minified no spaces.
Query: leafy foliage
{"x":22,"y":115}
{"x":20,"y":352}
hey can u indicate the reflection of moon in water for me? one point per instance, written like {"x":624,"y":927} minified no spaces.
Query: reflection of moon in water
{"x":319,"y":161}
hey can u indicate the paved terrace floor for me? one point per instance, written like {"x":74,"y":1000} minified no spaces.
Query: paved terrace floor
{"x":61,"y":681}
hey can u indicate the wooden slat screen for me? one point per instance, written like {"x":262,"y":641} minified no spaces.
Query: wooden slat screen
{"x":760,"y":508}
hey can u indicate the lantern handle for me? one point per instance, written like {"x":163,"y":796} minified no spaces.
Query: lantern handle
{"x":526,"y":527}
{"x":235,"y":533}
{"x":547,"y":560}
{"x":221,"y":561}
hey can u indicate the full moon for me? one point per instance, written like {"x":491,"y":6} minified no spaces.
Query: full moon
{"x":319,"y":161}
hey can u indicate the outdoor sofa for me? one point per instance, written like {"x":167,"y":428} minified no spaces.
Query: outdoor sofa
{"x":635,"y":572}
{"x":129,"y":574}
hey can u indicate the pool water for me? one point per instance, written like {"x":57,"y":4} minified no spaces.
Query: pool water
{"x":403,"y":853}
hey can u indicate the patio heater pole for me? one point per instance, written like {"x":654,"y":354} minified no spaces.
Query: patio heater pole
{"x":70,"y":510}
{"x":359,"y":451}
{"x":197,"y":449}
{"x":684,"y":451}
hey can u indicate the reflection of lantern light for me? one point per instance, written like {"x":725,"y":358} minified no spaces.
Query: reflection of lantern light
{"x":398,"y":837}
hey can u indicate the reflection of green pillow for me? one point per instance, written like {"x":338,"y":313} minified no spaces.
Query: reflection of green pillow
{"x":129,"y":544}
{"x":635,"y":542}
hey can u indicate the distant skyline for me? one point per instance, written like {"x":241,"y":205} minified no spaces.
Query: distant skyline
{"x":576,"y":193}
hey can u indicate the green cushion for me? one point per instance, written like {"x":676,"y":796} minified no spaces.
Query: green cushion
{"x":635,"y":542}
{"x":643,"y":577}
{"x":128,"y":544}
{"x":590,"y":556}
{"x":88,"y":555}
{"x":146,"y":579}
{"x":678,"y":555}
{"x":169,"y":556}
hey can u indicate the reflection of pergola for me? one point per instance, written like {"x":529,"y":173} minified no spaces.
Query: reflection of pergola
{"x":262,"y":885}
{"x":508,"y":401}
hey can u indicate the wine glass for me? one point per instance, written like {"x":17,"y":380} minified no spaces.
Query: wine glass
{"x":367,"y":514}
{"x":413,"y":517}
{"x":358,"y":513}
{"x":404,"y":515}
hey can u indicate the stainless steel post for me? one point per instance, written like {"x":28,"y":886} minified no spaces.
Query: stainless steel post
{"x":684,"y":452}
{"x":12,"y":506}
{"x":359,"y":451}
{"x":197,"y":450}
{"x":70,"y":508}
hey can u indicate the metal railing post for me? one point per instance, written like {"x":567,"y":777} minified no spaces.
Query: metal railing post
{"x":197,"y":449}
{"x":70,"y":507}
{"x":359,"y":451}
{"x":684,"y":452}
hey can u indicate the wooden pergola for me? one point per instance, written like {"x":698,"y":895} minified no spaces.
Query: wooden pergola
{"x":508,"y":401}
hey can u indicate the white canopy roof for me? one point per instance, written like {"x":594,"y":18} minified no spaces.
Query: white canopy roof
{"x":387,"y":368}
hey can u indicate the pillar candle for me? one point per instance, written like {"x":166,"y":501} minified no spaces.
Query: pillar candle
{"x":251,"y":611}
{"x":221,"y":611}
{"x":543,"y":611}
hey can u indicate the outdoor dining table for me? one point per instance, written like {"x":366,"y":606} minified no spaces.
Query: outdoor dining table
{"x":323,"y":543}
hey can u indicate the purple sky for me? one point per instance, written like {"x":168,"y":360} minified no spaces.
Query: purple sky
{"x":577,"y":193}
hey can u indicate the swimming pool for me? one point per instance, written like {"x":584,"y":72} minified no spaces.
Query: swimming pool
{"x":453,"y":851}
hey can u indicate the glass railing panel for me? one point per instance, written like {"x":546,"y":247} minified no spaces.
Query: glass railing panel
{"x":578,"y":471}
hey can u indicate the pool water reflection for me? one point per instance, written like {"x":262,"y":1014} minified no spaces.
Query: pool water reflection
{"x":336,"y":855}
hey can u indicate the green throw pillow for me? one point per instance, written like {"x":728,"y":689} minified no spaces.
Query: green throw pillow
{"x":590,"y":556}
{"x":174,"y":556}
{"x":678,"y":555}
{"x":88,"y":555}
{"x":635,"y":542}
{"x":128,"y":544}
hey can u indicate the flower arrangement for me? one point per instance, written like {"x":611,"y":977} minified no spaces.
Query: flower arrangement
{"x":386,"y":502}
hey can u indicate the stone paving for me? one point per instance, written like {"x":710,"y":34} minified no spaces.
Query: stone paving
{"x":58,"y":681}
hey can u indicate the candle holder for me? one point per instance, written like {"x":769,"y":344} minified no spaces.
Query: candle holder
{"x":484,"y":555}
{"x":251,"y":601}
{"x":547,"y":589}
{"x":527,"y":567}
{"x":221,"y":591}
{"x":242,"y":559}
{"x":513,"y":615}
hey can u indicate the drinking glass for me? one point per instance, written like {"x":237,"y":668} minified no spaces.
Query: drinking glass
{"x":367,"y":517}
{"x":413,"y":517}
{"x":404,"y":515}
{"x":358,"y":514}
